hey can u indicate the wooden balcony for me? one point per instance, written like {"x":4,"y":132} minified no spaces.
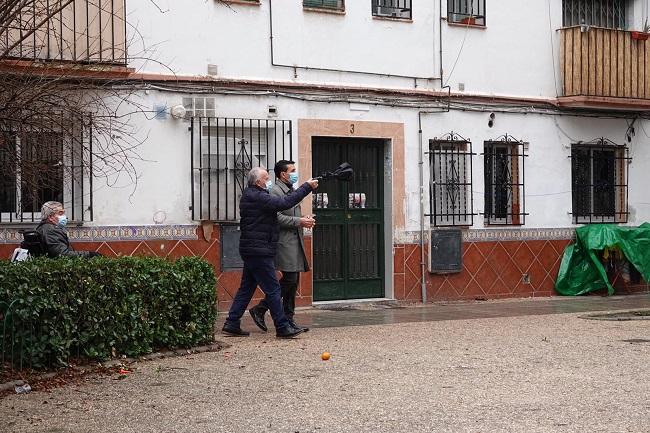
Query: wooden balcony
{"x":77,"y":31}
{"x":604,"y":69}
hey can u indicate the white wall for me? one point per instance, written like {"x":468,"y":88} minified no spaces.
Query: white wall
{"x":548,"y":166}
{"x":191,"y":34}
{"x":516,"y":54}
{"x":164,"y":183}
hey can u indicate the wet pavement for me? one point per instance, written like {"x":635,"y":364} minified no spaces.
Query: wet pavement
{"x":381,"y":314}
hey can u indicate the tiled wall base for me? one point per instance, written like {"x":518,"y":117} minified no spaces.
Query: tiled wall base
{"x":491,"y":270}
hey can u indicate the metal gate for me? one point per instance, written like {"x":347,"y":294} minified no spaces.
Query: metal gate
{"x":348,"y":241}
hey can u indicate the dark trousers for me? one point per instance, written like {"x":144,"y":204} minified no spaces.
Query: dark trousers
{"x":258,"y":271}
{"x":288,"y":288}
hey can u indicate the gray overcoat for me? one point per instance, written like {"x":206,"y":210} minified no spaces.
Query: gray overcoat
{"x":291,"y":246}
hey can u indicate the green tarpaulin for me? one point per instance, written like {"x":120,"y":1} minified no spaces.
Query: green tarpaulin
{"x":581,"y":270}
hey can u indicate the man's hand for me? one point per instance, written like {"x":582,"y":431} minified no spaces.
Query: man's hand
{"x":313,"y":183}
{"x":307,"y":222}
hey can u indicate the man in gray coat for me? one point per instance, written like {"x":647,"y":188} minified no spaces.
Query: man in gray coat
{"x":290,"y":259}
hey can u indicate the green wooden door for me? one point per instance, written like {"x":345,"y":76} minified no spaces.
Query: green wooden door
{"x":348,"y":240}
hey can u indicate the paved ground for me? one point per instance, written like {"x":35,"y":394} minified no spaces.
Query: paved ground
{"x":520,"y":373}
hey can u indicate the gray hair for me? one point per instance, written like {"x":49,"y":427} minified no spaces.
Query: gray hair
{"x":254,"y":175}
{"x":50,"y":208}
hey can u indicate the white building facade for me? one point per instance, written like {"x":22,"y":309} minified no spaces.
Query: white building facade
{"x":482,"y":134}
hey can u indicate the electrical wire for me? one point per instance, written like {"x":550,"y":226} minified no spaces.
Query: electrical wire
{"x":460,"y":51}
{"x":438,"y":103}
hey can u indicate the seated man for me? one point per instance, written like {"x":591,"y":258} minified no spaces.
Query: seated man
{"x":54,"y":239}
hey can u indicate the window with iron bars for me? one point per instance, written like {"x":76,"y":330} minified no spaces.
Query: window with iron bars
{"x":324,"y":4}
{"x":504,"y":161}
{"x":38,"y":166}
{"x":471,"y":12}
{"x":392,"y":9}
{"x":599,"y":182}
{"x":224,"y":150}
{"x":450,"y":185}
{"x":598,"y":13}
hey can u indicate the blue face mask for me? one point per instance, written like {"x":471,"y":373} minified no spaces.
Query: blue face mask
{"x":63,"y":220}
{"x":293,"y":177}
{"x":269,"y":185}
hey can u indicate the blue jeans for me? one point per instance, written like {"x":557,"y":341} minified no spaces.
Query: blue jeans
{"x":258,"y":271}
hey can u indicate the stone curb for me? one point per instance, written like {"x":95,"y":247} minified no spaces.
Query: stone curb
{"x":214,"y":347}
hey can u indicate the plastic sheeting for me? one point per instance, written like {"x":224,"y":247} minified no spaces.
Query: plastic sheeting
{"x":582,"y":271}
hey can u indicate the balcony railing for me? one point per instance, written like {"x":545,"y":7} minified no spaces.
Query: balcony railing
{"x":605,"y":63}
{"x":79,"y":31}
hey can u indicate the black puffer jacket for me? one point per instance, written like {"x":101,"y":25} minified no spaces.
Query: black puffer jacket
{"x":259,"y":226}
{"x":56,"y":243}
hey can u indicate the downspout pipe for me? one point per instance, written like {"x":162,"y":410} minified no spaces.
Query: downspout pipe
{"x":423,"y":263}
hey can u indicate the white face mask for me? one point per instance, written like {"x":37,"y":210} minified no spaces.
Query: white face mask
{"x":269,"y":185}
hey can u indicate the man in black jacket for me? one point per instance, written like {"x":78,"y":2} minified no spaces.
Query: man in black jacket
{"x":54,"y":239}
{"x":258,"y":246}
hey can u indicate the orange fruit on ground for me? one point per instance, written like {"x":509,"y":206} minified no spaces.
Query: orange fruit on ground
{"x":325,"y":356}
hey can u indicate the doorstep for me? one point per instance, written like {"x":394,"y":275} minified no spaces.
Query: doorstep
{"x":356,"y":304}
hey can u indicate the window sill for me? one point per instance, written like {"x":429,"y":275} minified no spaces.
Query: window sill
{"x":324,"y":10}
{"x":472,"y":26}
{"x":401,"y":20}
{"x":243,"y":2}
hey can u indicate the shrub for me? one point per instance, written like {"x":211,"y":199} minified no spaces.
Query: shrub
{"x":96,"y":308}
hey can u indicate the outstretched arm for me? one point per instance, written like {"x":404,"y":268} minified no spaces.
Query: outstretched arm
{"x":278,"y":204}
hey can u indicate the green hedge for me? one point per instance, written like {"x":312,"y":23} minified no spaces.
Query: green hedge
{"x":68,"y":308}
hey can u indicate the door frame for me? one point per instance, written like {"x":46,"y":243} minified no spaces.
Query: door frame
{"x":394,"y":183}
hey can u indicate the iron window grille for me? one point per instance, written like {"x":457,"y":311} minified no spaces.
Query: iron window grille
{"x":38,"y":166}
{"x":338,"y":5}
{"x":450,"y":185}
{"x":223,"y":151}
{"x":471,"y":12}
{"x":392,"y":9}
{"x":504,"y":171}
{"x":598,"y":13}
{"x":599,"y":182}
{"x":83,"y":31}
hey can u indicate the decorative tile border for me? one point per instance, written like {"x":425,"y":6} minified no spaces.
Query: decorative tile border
{"x":493,"y":235}
{"x":114,"y":233}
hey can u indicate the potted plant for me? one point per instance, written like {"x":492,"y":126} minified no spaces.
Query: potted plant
{"x":644,"y":35}
{"x":468,"y":20}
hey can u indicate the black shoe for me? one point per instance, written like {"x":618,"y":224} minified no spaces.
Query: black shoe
{"x":234,"y":332}
{"x":295,"y":325}
{"x":288,"y":332}
{"x":258,"y":318}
